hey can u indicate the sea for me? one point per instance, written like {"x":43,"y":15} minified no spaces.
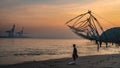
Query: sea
{"x":18,"y":50}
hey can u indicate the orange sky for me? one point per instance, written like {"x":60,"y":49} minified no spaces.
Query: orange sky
{"x":44,"y":15}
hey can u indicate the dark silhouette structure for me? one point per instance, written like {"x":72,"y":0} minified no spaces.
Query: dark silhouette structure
{"x":20,"y":33}
{"x":87,"y":26}
{"x":113,"y":35}
{"x":11,"y":32}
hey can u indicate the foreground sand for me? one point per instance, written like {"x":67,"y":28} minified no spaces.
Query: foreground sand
{"x":96,"y":61}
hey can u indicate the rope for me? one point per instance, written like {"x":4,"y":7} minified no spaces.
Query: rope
{"x":105,"y":19}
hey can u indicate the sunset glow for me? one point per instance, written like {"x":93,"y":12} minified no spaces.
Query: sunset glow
{"x":44,"y":16}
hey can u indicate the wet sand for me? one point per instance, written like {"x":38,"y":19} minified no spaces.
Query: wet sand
{"x":95,"y":61}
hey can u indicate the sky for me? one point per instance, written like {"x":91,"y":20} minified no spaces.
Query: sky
{"x":47,"y":18}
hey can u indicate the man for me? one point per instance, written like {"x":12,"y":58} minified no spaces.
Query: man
{"x":74,"y":55}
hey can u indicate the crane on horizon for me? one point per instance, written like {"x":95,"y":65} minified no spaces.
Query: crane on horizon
{"x":11,"y":32}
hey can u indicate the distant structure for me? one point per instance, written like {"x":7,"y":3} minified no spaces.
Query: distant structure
{"x":11,"y":32}
{"x":20,"y":33}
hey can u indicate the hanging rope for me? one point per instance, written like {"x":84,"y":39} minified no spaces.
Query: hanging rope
{"x":105,"y":20}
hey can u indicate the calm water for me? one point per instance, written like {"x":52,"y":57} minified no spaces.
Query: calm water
{"x":20,"y":50}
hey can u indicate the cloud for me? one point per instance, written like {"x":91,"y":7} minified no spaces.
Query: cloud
{"x":41,"y":14}
{"x":45,"y":10}
{"x":16,"y":3}
{"x":50,"y":13}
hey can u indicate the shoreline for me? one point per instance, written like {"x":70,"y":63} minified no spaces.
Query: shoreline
{"x":93,"y":61}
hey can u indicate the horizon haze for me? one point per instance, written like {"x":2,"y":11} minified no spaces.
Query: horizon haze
{"x":47,"y":18}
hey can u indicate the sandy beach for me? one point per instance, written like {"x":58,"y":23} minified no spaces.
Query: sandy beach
{"x":95,"y":61}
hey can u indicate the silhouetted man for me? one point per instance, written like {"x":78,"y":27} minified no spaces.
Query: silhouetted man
{"x":74,"y":55}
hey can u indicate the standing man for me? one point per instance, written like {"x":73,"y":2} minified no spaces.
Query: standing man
{"x":74,"y":55}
